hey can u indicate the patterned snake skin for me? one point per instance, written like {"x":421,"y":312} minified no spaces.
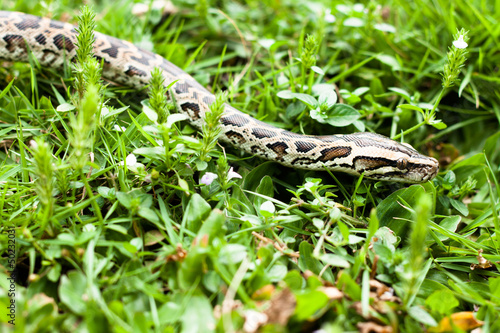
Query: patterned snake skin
{"x":53,"y":43}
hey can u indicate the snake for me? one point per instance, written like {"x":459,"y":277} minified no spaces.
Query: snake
{"x":54,"y":43}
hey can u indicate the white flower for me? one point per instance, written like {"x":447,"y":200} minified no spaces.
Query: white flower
{"x":131,"y":159}
{"x":104,"y":112}
{"x":460,"y":43}
{"x":208,"y":178}
{"x":132,"y":164}
{"x":231,"y":174}
{"x":329,"y":16}
{"x":119,"y":128}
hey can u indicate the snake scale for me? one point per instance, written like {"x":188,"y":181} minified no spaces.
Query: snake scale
{"x":375,"y":156}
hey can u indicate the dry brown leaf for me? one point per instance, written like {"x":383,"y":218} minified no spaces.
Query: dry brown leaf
{"x":264,"y":293}
{"x":281,"y":308}
{"x":332,"y":293}
{"x":371,"y":327}
{"x":482,"y":262}
{"x":462,"y":320}
{"x":381,"y":292}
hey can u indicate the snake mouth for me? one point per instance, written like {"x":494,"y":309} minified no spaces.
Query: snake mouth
{"x":429,"y":171}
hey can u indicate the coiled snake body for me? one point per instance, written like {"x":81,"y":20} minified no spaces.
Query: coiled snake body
{"x":378,"y":157}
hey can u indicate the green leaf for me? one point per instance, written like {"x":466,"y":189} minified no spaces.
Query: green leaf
{"x":471,"y":167}
{"x":213,"y":226}
{"x":334,"y":260}
{"x":401,"y":92}
{"x":198,"y":316}
{"x":459,"y":206}
{"x":125,"y":199}
{"x":170,"y":312}
{"x":71,"y":290}
{"x":309,"y":303}
{"x":349,"y":286}
{"x":422,"y":316}
{"x":65,"y":107}
{"x":174,"y":118}
{"x":328,"y":97}
{"x":150,"y":113}
{"x":151,"y":152}
{"x":429,"y":286}
{"x":389,"y":61}
{"x":392,"y":207}
{"x":449,"y":180}
{"x":294,"y":109}
{"x":266,"y":187}
{"x":294,"y":280}
{"x":449,"y":223}
{"x":183,"y":184}
{"x":344,"y":230}
{"x":494,"y":284}
{"x":196,"y":211}
{"x":232,"y":254}
{"x":317,"y":70}
{"x":342,"y":115}
{"x":410,"y":107}
{"x":438,"y":124}
{"x":308,"y":262}
{"x":277,"y":272}
{"x":189,"y":272}
{"x":307,"y":99}
{"x":106,"y":192}
{"x":285,"y":94}
{"x":148,"y":214}
{"x":491,"y":148}
{"x":267,"y":209}
{"x":384,"y":252}
{"x":442,"y":301}
{"x":255,"y":177}
{"x":55,"y":273}
{"x":321,"y":88}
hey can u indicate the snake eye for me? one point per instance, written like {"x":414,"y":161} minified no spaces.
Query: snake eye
{"x":401,"y":163}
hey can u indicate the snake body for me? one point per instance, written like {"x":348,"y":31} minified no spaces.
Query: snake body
{"x":53,"y":43}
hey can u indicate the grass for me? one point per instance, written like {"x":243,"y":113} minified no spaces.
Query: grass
{"x":115,"y":229}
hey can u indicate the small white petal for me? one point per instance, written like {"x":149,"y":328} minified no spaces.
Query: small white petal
{"x":329,"y":16}
{"x":131,"y":159}
{"x":208,"y":178}
{"x":33,"y":144}
{"x":231,"y":174}
{"x":119,"y":128}
{"x":104,"y":111}
{"x":460,"y":43}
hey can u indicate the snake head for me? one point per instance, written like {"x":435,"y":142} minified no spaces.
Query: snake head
{"x":378,"y":157}
{"x":398,"y":162}
{"x":414,"y":169}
